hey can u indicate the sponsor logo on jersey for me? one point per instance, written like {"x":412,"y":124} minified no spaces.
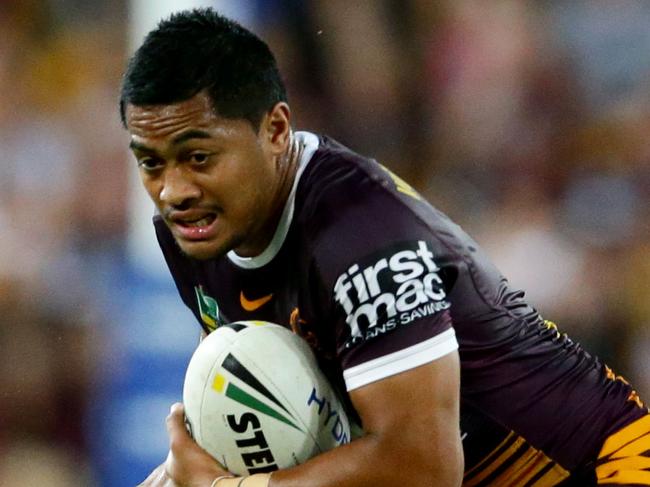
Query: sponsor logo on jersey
{"x":390,"y":289}
{"x":208,"y":309}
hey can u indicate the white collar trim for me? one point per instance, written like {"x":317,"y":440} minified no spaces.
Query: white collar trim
{"x":311,"y":143}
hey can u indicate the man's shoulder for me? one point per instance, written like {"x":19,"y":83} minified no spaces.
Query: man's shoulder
{"x":334,"y":164}
{"x":338,"y":181}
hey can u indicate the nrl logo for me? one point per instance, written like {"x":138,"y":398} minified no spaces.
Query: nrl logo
{"x":208,"y":308}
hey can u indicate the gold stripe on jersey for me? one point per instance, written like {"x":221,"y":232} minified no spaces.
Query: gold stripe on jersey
{"x":508,"y":440}
{"x":636,"y":447}
{"x":625,"y":456}
{"x":623,"y":464}
{"x":622,"y":437}
{"x":514,"y":463}
{"x":627,"y":478}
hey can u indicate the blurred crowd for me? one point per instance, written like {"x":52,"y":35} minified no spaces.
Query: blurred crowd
{"x":525,"y":121}
{"x":62,"y":213}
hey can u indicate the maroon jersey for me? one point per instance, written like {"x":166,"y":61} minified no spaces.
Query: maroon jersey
{"x":378,"y":282}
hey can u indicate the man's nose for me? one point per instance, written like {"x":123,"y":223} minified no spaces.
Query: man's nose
{"x":179,"y":188}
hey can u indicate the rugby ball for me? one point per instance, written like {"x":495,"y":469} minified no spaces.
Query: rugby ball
{"x":256,"y":400}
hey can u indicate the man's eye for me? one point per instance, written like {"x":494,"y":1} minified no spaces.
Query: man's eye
{"x":199,"y":158}
{"x":149,"y":164}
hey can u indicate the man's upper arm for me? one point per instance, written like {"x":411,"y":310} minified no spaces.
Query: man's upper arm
{"x":415,"y":414}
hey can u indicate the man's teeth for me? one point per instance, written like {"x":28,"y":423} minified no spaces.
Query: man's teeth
{"x":200,"y":223}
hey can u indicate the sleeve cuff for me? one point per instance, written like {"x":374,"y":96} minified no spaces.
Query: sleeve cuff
{"x":400,"y":361}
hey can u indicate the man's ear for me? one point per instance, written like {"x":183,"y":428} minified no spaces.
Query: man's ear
{"x":275,"y":128}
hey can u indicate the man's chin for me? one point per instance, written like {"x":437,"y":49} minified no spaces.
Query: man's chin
{"x":205,"y":249}
{"x":202,"y":250}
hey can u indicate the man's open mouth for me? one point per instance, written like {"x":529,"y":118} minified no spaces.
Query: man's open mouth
{"x":201,"y":222}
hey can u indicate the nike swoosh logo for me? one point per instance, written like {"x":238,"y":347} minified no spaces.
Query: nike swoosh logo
{"x":252,"y":305}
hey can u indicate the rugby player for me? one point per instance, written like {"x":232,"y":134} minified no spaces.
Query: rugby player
{"x":454,"y":377}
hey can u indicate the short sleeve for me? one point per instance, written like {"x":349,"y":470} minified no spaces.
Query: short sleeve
{"x":387,"y":277}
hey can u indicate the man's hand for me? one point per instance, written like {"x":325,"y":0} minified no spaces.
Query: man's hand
{"x":187,"y":464}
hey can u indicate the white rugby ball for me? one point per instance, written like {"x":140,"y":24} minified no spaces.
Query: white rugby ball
{"x":256,"y":400}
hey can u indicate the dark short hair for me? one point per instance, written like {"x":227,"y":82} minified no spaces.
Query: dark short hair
{"x":197,"y":50}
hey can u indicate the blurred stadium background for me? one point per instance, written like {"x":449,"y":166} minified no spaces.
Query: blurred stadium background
{"x":528,"y":122}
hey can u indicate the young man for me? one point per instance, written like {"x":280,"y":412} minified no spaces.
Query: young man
{"x":455,"y":378}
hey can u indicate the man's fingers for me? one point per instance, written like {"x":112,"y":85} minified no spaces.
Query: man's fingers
{"x":178,"y":435}
{"x":176,"y":412}
{"x":185,"y":460}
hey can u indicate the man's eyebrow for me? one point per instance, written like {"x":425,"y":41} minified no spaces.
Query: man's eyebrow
{"x":179,"y":139}
{"x":133,"y":145}
{"x":190,"y":134}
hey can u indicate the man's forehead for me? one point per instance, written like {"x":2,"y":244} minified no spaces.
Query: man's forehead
{"x":164,"y":120}
{"x":161,"y":125}
{"x":198,"y":107}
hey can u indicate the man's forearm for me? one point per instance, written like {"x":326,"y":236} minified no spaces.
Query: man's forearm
{"x":376,"y":461}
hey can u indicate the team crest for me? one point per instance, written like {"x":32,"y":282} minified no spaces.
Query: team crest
{"x":208,"y":308}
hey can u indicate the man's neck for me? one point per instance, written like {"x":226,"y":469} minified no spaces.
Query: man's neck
{"x":287,"y":169}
